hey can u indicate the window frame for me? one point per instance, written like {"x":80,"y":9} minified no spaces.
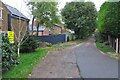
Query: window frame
{"x":1,"y":9}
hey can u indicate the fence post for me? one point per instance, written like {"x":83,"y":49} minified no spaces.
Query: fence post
{"x":66,"y":35}
{"x":0,"y":54}
{"x":117,"y":44}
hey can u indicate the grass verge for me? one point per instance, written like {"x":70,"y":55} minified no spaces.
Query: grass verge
{"x":29,"y":60}
{"x":107,"y":50}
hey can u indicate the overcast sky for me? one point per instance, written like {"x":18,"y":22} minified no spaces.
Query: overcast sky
{"x":21,"y":6}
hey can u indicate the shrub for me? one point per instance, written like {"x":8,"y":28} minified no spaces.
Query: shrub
{"x":44,"y":44}
{"x":106,"y":43}
{"x":9,"y":56}
{"x":99,"y":37}
{"x":48,"y":44}
{"x":71,"y":37}
{"x":30,"y":44}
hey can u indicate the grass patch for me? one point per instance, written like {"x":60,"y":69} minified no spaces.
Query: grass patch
{"x":104,"y":48}
{"x":80,"y":41}
{"x":68,"y":44}
{"x":28,"y":61}
{"x":107,"y":50}
{"x":64,"y":45}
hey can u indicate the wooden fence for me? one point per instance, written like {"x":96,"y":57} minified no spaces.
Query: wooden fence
{"x":114,"y":43}
{"x":54,"y":39}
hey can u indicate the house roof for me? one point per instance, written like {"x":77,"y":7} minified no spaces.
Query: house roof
{"x":41,"y":28}
{"x":14,"y":11}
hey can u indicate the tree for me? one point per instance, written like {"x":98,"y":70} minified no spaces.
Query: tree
{"x":45,"y":13}
{"x":109,"y":21}
{"x":80,"y":17}
{"x":20,"y":31}
{"x":109,"y":18}
{"x":33,"y":23}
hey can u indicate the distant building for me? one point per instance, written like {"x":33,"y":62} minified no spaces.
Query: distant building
{"x":42,"y":30}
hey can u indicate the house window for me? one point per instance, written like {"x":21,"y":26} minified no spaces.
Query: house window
{"x":0,"y":13}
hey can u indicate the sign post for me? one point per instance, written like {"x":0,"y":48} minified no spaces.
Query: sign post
{"x":11,"y":36}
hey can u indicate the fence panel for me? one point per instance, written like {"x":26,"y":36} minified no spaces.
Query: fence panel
{"x":53,"y":39}
{"x":119,"y":45}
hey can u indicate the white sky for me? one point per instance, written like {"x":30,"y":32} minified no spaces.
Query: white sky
{"x":21,"y":5}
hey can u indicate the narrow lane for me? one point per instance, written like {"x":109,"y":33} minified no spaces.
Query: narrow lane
{"x":94,"y":64}
{"x":83,"y":60}
{"x":58,"y":64}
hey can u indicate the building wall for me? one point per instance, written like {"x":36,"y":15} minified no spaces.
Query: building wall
{"x":0,"y":19}
{"x":18,"y":25}
{"x":55,"y":30}
{"x":46,"y":31}
{"x":4,"y":20}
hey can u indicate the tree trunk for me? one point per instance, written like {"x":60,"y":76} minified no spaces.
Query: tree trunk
{"x":110,"y":40}
{"x":33,"y":23}
{"x":18,"y":51}
{"x":37,"y":29}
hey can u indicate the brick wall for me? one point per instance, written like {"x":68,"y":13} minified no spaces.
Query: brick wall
{"x":55,"y":30}
{"x":5,"y":13}
{"x":0,"y":19}
{"x":18,"y":25}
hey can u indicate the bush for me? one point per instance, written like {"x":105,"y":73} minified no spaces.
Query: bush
{"x":30,"y":44}
{"x":71,"y":37}
{"x":99,"y":37}
{"x":106,"y":43}
{"x":9,"y":56}
{"x":44,"y":44}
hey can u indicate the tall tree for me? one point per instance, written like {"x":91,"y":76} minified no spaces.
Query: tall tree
{"x":109,"y":18}
{"x":80,"y":17}
{"x":45,"y":13}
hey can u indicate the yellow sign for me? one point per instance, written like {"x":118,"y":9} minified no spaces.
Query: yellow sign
{"x":11,"y":36}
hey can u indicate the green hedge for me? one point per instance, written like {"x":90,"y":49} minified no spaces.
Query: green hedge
{"x":9,"y":56}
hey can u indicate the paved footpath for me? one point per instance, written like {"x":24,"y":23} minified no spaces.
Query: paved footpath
{"x":58,"y":64}
{"x":93,"y":64}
